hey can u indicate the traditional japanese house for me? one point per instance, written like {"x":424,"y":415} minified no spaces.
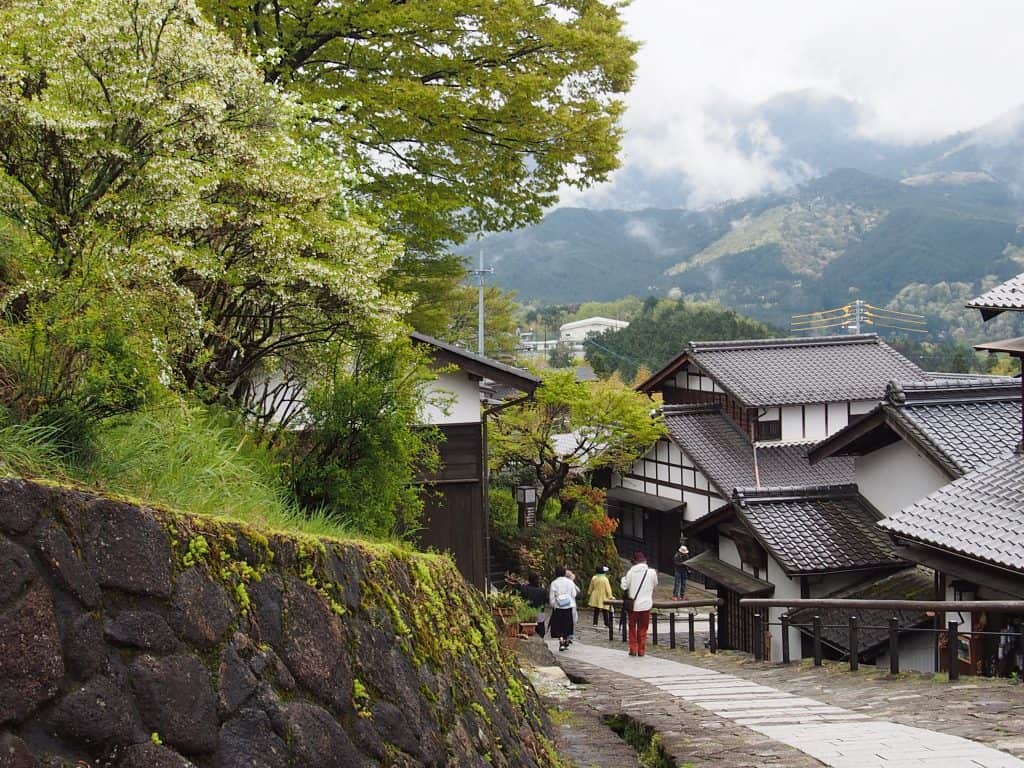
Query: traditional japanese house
{"x":802,"y":541}
{"x":742,"y":413}
{"x":920,"y":438}
{"x":455,"y":518}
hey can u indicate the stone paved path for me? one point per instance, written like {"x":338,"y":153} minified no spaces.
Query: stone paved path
{"x":835,"y":736}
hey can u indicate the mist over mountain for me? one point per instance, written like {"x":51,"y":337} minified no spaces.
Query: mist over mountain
{"x":919,"y":228}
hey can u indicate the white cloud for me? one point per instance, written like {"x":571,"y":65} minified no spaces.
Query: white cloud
{"x":920,"y":70}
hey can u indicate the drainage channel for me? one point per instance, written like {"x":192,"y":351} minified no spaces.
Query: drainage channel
{"x":642,"y":738}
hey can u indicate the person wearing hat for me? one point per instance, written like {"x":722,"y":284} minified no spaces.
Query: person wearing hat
{"x":679,"y":563}
{"x":599,"y":594}
{"x":638,"y":585}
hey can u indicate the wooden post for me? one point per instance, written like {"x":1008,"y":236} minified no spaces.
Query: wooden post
{"x":952,"y":641}
{"x":654,"y":627}
{"x":672,"y":630}
{"x":693,"y":635}
{"x":817,"y":641}
{"x":758,"y":638}
{"x":611,"y":625}
{"x":712,"y":635}
{"x":623,"y":623}
{"x":784,"y":620}
{"x":854,"y":643}
{"x":894,"y":646}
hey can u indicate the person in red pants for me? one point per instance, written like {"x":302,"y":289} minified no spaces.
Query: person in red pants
{"x":638,"y":584}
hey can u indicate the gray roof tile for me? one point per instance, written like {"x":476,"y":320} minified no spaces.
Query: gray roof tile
{"x":980,"y":515}
{"x":1006,"y":296}
{"x":726,"y":457}
{"x":816,"y":530}
{"x":790,"y":371}
{"x":965,"y":423}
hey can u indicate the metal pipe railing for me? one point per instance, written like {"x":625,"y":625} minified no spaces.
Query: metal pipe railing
{"x":672,"y":626}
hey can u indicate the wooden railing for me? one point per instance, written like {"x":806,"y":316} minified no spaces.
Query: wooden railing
{"x":951,"y":630}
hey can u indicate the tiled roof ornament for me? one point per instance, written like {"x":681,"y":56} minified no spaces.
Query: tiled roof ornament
{"x":894,"y":393}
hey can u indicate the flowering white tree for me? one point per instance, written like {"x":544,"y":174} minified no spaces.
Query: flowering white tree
{"x":150,"y":176}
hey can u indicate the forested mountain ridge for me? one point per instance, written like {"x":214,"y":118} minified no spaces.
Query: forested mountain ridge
{"x":846,"y":235}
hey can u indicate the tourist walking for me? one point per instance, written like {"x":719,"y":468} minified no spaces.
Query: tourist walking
{"x":562,"y":598}
{"x":599,"y":594}
{"x":638,"y":588}
{"x":679,"y":563}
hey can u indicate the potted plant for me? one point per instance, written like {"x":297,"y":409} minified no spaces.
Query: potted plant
{"x":526,"y":618}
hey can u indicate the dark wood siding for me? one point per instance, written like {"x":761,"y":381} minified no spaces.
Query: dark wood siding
{"x":454,"y":511}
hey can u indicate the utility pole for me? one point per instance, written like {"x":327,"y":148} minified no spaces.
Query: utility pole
{"x":480,"y":273}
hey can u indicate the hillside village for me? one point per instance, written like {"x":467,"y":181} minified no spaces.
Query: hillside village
{"x":563,"y":384}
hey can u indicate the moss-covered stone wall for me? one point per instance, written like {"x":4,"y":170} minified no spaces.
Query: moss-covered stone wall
{"x":133,"y":637}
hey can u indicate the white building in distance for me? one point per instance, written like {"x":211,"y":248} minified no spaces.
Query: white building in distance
{"x":578,"y":331}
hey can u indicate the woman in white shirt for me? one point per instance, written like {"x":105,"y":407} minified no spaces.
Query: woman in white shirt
{"x":639,"y":583}
{"x":562,"y":597}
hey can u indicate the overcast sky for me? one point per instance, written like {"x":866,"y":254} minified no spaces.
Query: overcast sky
{"x":920,"y":70}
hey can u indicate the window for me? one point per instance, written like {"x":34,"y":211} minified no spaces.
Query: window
{"x":769,"y":430}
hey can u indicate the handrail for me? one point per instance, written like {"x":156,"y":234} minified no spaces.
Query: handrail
{"x":681,"y":604}
{"x":1000,"y":606}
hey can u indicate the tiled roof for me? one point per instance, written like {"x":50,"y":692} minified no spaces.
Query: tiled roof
{"x":915,"y":583}
{"x":729,"y":576}
{"x":968,"y":431}
{"x":1007,"y":296}
{"x":804,"y":370}
{"x":726,"y":457}
{"x":816,"y":530}
{"x":443,"y":352}
{"x":962,"y":423}
{"x":980,"y":515}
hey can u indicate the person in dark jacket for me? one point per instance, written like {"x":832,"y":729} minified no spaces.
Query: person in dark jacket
{"x":679,"y":563}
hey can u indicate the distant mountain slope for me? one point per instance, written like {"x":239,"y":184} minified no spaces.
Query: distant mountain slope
{"x":846,"y":235}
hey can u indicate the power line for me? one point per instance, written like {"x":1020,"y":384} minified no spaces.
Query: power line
{"x":853,"y":317}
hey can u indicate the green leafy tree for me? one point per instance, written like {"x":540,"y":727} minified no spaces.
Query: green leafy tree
{"x":602,"y":424}
{"x":363,"y":448}
{"x":501,"y":337}
{"x":150,"y":168}
{"x":456,"y":117}
{"x":661,"y":330}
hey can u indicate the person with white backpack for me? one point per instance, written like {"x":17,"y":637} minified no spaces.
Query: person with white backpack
{"x":562,"y":598}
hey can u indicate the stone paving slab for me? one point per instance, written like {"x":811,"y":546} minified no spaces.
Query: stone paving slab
{"x":989,"y":711}
{"x":818,"y":729}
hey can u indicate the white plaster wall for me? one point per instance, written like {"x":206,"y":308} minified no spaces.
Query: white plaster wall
{"x":632,"y":484}
{"x":837,"y":418}
{"x":785,"y":587}
{"x":896,"y":476}
{"x":770,"y":414}
{"x":792,"y":423}
{"x":465,"y":406}
{"x":917,"y":653}
{"x":727,"y":551}
{"x":815,"y":422}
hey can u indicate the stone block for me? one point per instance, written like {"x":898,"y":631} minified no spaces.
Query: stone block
{"x":58,"y":552}
{"x":176,"y":699}
{"x":315,"y":646}
{"x":126,"y":548}
{"x":144,"y":630}
{"x":318,"y":739}
{"x":248,"y":740}
{"x":31,"y":662}
{"x":15,"y":570}
{"x":97,"y":716}
{"x":201,"y":611}
{"x":21,"y":503}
